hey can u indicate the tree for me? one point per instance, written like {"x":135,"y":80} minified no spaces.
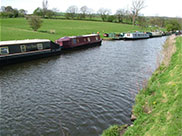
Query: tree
{"x":84,"y":11}
{"x":120,"y":15}
{"x":128,"y":16}
{"x":159,"y":21}
{"x":38,"y":12}
{"x":45,"y":7}
{"x":111,"y":18}
{"x":22,"y":12}
{"x":15,"y":13}
{"x":104,"y":13}
{"x":2,"y":8}
{"x":137,"y":6}
{"x":8,"y":9}
{"x":35,"y":22}
{"x":9,"y":12}
{"x":142,"y":21}
{"x":56,"y":11}
{"x":173,"y":25}
{"x":71,"y":12}
{"x":50,"y":13}
{"x":90,"y":13}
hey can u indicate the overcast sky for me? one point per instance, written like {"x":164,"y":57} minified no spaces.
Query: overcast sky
{"x":170,"y":8}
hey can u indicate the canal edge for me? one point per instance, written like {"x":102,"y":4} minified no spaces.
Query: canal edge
{"x":169,"y":48}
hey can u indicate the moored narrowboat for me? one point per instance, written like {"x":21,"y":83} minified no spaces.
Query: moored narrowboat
{"x":22,"y":50}
{"x":135,"y":36}
{"x":106,"y":35}
{"x":156,"y":34}
{"x":115,"y":36}
{"x":79,"y":41}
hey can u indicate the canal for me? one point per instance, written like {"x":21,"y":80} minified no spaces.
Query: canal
{"x":79,"y":93}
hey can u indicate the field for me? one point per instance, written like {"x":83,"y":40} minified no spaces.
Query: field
{"x":18,"y":28}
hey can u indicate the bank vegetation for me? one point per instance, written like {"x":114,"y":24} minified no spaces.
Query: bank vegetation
{"x":158,"y":107}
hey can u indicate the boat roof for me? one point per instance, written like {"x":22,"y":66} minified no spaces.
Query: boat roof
{"x":83,"y":35}
{"x":138,"y":33}
{"x":71,"y":37}
{"x":23,"y":41}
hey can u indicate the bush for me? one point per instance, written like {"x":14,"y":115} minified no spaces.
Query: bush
{"x":111,"y":18}
{"x":173,"y":25}
{"x":35,"y":22}
{"x":111,"y":131}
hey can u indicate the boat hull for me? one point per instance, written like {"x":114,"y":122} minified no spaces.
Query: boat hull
{"x":74,"y":42}
{"x":153,"y":36}
{"x":24,"y":50}
{"x":136,"y":38}
{"x":6,"y":60}
{"x":86,"y":45}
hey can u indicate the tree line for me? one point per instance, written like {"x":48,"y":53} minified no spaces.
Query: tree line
{"x":127,"y":16}
{"x":10,"y":12}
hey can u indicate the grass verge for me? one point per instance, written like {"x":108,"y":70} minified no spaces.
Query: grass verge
{"x":158,"y":107}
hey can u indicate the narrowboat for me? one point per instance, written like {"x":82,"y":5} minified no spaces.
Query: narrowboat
{"x":106,"y":35}
{"x":150,"y":34}
{"x":23,"y":50}
{"x":115,"y":36}
{"x":135,"y":36}
{"x":166,"y":33}
{"x":178,"y":32}
{"x":79,"y":41}
{"x":156,"y":34}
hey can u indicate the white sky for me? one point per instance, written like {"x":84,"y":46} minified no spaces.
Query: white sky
{"x":170,"y":8}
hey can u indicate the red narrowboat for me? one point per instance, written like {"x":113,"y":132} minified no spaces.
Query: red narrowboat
{"x":79,"y":41}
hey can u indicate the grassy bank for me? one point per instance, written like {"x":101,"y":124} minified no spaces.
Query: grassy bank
{"x":18,"y":28}
{"x":158,"y":107}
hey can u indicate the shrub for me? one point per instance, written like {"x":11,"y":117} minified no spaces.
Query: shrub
{"x":35,"y":22}
{"x":111,"y":131}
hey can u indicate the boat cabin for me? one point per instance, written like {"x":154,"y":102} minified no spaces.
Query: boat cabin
{"x":77,"y":41}
{"x":11,"y":50}
{"x":136,"y":35}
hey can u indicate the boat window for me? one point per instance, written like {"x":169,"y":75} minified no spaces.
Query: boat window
{"x":74,"y":41}
{"x":23,"y":48}
{"x":88,"y":39}
{"x":46,"y":46}
{"x":97,"y":38}
{"x":40,"y":46}
{"x":31,"y":47}
{"x":78,"y":40}
{"x":85,"y":39}
{"x":4,"y":50}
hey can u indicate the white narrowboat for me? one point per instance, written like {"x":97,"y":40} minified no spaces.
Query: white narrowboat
{"x":135,"y":36}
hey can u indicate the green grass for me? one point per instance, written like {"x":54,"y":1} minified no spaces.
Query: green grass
{"x":163,"y":98}
{"x":18,"y":28}
{"x":114,"y":130}
{"x":111,"y":131}
{"x":158,"y":107}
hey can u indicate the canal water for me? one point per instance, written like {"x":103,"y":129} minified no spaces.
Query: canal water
{"x":79,"y":93}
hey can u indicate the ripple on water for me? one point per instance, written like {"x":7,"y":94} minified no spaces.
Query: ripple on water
{"x":81,"y":92}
